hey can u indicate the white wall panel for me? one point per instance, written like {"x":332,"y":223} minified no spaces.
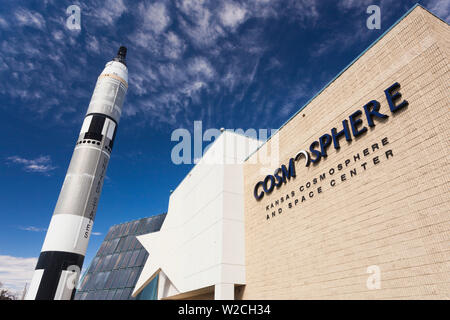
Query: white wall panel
{"x":201,"y":242}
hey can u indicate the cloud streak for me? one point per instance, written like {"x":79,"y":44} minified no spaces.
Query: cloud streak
{"x":33,"y":229}
{"x":41,"y":164}
{"x":15,"y":272}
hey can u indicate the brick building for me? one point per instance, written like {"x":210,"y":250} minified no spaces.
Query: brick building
{"x":369,"y":220}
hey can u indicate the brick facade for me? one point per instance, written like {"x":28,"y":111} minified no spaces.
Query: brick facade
{"x":395,"y":214}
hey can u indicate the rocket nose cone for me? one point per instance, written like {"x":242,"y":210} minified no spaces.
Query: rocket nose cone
{"x":122,"y":52}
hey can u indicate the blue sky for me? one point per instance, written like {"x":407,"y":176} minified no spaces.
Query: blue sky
{"x":229,"y":64}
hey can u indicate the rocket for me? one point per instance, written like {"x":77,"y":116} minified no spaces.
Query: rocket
{"x":68,"y":234}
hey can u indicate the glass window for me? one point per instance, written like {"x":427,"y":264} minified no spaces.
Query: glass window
{"x":134,"y":227}
{"x":109,"y":280}
{"x":95,"y":280}
{"x":105,"y":263}
{"x":126,"y":229}
{"x":125,"y":294}
{"x":133,"y":258}
{"x":141,"y":227}
{"x":103,"y":295}
{"x":93,"y":264}
{"x":98,"y":267}
{"x":113,"y":246}
{"x":118,"y":294}
{"x":133,"y":277}
{"x":89,"y":283}
{"x":123,"y":229}
{"x":113,"y":261}
{"x":106,"y":249}
{"x":111,"y":294}
{"x":109,"y":234}
{"x":138,"y":245}
{"x":131,"y":244}
{"x":124,"y":278}
{"x":105,"y":277}
{"x":148,"y":225}
{"x":150,"y":291}
{"x":134,"y":243}
{"x":90,"y":295}
{"x":115,"y":232}
{"x":84,"y":282}
{"x":125,"y":260}
{"x":141,"y":258}
{"x":120,"y":245}
{"x":119,"y":231}
{"x":116,"y":281}
{"x":102,"y":247}
{"x":119,"y":259}
{"x":96,"y":295}
{"x":127,"y":243}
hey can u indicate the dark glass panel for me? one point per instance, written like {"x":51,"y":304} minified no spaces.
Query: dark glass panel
{"x":113,"y":246}
{"x":133,"y":277}
{"x":141,"y":258}
{"x":126,"y":294}
{"x":126,"y":259}
{"x":105,"y":263}
{"x":119,"y":259}
{"x":133,"y":258}
{"x":112,"y":262}
{"x":111,"y":294}
{"x":118,"y":294}
{"x":93,"y":264}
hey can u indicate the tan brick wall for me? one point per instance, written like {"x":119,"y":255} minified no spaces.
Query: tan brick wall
{"x":395,"y":215}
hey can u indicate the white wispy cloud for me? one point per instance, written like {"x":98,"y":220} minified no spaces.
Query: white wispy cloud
{"x":199,"y":23}
{"x":3,"y":23}
{"x":351,"y":4}
{"x":15,"y":272}
{"x":96,"y":233}
{"x":200,"y":67}
{"x":181,"y":52}
{"x":441,"y":8}
{"x":106,"y":12}
{"x":174,"y":46}
{"x":32,"y":228}
{"x":58,"y":35}
{"x":232,"y":14}
{"x":26,"y":17}
{"x":42,"y":164}
{"x":155,"y":17}
{"x":93,"y":44}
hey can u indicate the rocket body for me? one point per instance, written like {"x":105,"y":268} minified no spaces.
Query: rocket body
{"x":70,"y":228}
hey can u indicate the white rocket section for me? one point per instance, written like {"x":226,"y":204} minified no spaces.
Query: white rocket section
{"x":70,"y":239}
{"x":201,"y":242}
{"x":105,"y":99}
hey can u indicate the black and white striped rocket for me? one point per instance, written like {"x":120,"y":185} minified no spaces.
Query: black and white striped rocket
{"x":68,"y":234}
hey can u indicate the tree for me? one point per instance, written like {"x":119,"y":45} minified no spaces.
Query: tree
{"x":5,"y":294}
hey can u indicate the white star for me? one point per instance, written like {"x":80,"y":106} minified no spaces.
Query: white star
{"x":164,"y":254}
